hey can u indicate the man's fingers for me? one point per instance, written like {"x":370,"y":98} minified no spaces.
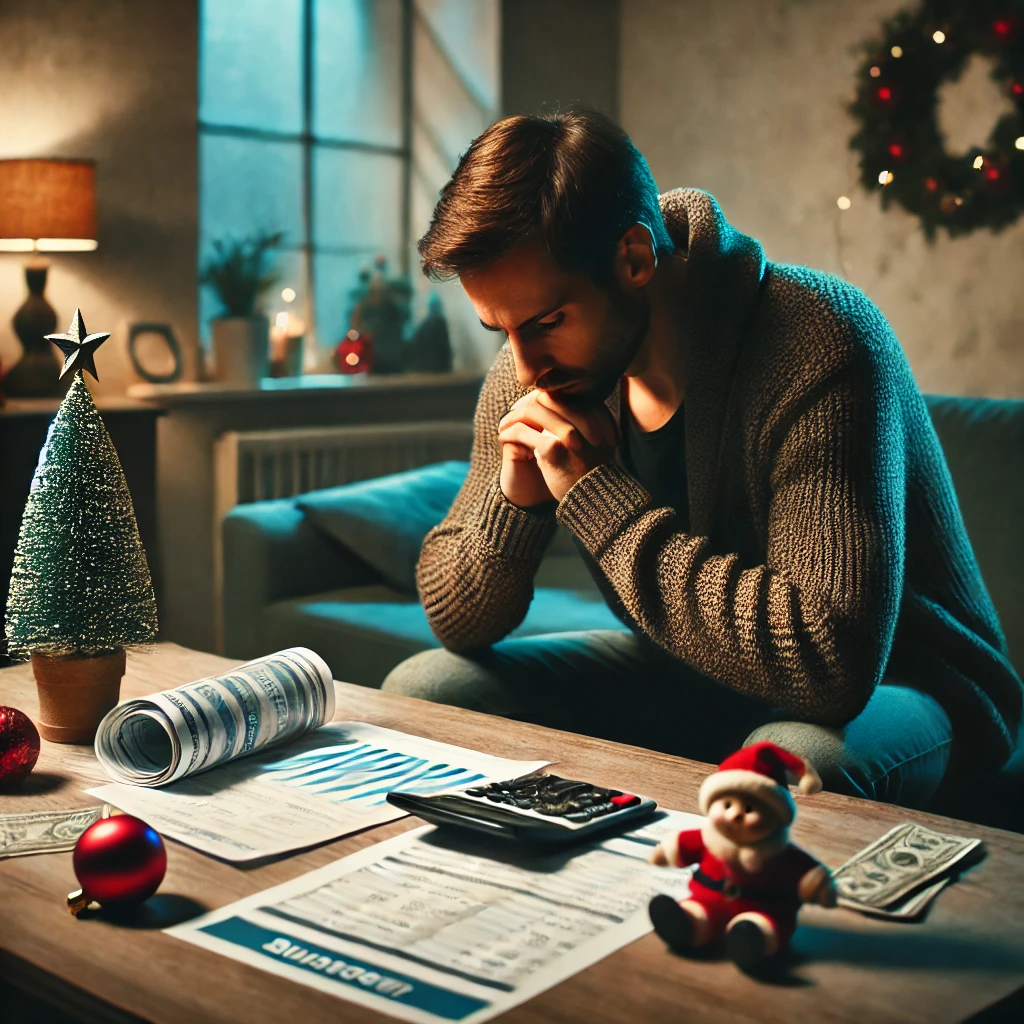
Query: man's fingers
{"x":541,"y":443}
{"x":516,"y":452}
{"x":541,"y":418}
{"x":596,"y":423}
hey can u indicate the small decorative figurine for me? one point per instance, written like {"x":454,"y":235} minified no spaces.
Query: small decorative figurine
{"x":750,"y":880}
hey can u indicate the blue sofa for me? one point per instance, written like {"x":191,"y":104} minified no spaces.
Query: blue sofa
{"x":289,"y":580}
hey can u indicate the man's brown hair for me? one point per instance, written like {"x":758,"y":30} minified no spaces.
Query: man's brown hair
{"x":574,"y":180}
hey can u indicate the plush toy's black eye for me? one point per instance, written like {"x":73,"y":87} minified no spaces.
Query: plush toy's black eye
{"x":728,"y":804}
{"x":748,"y":808}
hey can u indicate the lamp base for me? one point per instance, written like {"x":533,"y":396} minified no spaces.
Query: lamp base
{"x":37,"y":373}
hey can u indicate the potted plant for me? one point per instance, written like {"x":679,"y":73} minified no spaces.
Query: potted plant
{"x":80,"y":591}
{"x":240,"y":273}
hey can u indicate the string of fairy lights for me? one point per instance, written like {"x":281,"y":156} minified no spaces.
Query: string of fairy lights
{"x":902,"y":153}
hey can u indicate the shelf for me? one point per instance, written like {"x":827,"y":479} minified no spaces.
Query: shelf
{"x":307,"y":385}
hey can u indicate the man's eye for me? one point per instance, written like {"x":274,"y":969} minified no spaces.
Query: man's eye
{"x":553,"y":322}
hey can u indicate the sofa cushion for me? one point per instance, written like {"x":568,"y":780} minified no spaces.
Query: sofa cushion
{"x":983,"y":440}
{"x":384,"y":520}
{"x":364,"y":632}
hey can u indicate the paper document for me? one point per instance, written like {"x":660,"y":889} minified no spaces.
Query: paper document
{"x":326,"y":784}
{"x":441,"y":926}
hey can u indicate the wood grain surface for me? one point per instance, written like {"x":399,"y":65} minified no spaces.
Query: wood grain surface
{"x":968,"y":953}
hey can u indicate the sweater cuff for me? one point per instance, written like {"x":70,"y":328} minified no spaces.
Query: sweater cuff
{"x":601,"y":504}
{"x":511,"y":531}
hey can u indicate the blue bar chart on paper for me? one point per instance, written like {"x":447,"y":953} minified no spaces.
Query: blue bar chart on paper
{"x":329,"y":783}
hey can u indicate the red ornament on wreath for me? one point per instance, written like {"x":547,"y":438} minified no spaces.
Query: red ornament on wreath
{"x":118,"y":861}
{"x":19,"y":746}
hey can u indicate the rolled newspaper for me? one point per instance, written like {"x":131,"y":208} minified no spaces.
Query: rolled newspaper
{"x":164,"y":737}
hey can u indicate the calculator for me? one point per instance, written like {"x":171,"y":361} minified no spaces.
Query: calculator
{"x":533,"y":809}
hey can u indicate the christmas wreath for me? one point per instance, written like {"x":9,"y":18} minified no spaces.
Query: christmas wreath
{"x":902,"y":152}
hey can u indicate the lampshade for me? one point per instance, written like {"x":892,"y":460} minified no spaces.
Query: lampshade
{"x":47,"y":205}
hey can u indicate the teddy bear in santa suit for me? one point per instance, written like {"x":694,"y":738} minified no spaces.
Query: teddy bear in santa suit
{"x":750,"y":879}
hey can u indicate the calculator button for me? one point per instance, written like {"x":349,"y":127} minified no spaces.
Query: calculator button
{"x":625,"y":800}
{"x":579,"y":815}
{"x":477,"y":791}
{"x":605,"y":808}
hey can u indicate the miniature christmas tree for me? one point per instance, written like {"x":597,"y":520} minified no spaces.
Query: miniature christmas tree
{"x":80,"y":582}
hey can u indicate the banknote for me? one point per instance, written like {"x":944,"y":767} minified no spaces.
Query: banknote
{"x":897,"y":865}
{"x":179,"y":732}
{"x":44,"y":831}
{"x":904,"y":909}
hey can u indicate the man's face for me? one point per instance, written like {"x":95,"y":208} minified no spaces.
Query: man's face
{"x":567,"y":334}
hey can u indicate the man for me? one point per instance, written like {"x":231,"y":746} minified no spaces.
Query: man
{"x":745,"y":462}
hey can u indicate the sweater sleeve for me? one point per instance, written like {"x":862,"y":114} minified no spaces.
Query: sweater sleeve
{"x":476,"y":567}
{"x":810,"y":629}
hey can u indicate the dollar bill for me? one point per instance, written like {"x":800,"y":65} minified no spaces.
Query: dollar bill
{"x":885,"y":874}
{"x":44,"y":831}
{"x":179,"y":732}
{"x":904,"y":909}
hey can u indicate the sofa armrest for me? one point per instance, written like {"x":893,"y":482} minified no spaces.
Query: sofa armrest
{"x":271,"y":553}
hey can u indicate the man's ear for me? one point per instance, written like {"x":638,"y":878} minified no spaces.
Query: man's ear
{"x":635,"y":257}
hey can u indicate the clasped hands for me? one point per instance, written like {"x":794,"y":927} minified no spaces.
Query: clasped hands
{"x":547,"y":445}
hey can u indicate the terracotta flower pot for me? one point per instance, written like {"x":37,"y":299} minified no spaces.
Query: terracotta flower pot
{"x":75,"y":692}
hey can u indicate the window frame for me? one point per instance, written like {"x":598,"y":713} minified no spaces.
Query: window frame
{"x":310,"y":142}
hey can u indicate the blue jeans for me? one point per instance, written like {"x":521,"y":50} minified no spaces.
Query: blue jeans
{"x":616,"y":685}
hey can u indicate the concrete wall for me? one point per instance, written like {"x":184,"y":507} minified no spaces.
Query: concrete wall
{"x":746,"y":98}
{"x":114,"y":80}
{"x":455,"y":97}
{"x":560,"y":53}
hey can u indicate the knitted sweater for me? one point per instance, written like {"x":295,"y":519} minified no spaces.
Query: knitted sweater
{"x":825,"y":547}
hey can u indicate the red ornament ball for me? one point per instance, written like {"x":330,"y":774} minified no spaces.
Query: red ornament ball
{"x":119,"y":860}
{"x":19,"y":745}
{"x":354,"y":353}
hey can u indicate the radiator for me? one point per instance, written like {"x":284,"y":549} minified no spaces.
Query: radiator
{"x":263,"y":464}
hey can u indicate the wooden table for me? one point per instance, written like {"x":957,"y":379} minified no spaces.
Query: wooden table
{"x":968,"y":953}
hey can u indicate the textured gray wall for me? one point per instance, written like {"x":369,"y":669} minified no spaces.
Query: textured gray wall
{"x":114,"y":80}
{"x":746,"y":98}
{"x":559,"y":53}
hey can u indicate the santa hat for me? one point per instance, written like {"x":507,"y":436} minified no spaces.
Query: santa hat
{"x":762,"y":770}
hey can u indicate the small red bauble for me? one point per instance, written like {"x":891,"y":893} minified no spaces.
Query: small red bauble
{"x":354,"y":354}
{"x":19,"y":745}
{"x":119,"y":860}
{"x":885,"y":93}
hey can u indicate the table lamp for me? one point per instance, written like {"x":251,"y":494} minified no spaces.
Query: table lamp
{"x":45,"y":206}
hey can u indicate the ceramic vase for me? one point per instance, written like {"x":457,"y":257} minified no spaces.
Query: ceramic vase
{"x":241,"y":349}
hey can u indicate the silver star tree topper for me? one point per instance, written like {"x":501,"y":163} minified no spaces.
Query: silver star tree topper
{"x":78,"y":346}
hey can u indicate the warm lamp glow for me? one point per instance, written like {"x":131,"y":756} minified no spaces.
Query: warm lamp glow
{"x":47,"y":205}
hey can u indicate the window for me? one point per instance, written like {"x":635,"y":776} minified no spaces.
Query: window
{"x":305,"y":127}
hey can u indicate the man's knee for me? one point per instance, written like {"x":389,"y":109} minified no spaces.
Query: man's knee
{"x":825,"y":749}
{"x":443,"y":677}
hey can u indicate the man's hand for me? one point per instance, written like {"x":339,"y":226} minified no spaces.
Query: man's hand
{"x":547,"y":446}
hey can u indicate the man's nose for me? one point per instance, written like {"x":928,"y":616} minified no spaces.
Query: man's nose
{"x":528,"y":369}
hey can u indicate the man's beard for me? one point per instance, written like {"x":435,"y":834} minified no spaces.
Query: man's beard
{"x":624,"y":333}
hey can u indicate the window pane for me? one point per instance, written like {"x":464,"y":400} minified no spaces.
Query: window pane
{"x":335,"y":278}
{"x":358,"y":70}
{"x":290,"y":264}
{"x":246,"y":187}
{"x":357,"y":199}
{"x":251,"y":64}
